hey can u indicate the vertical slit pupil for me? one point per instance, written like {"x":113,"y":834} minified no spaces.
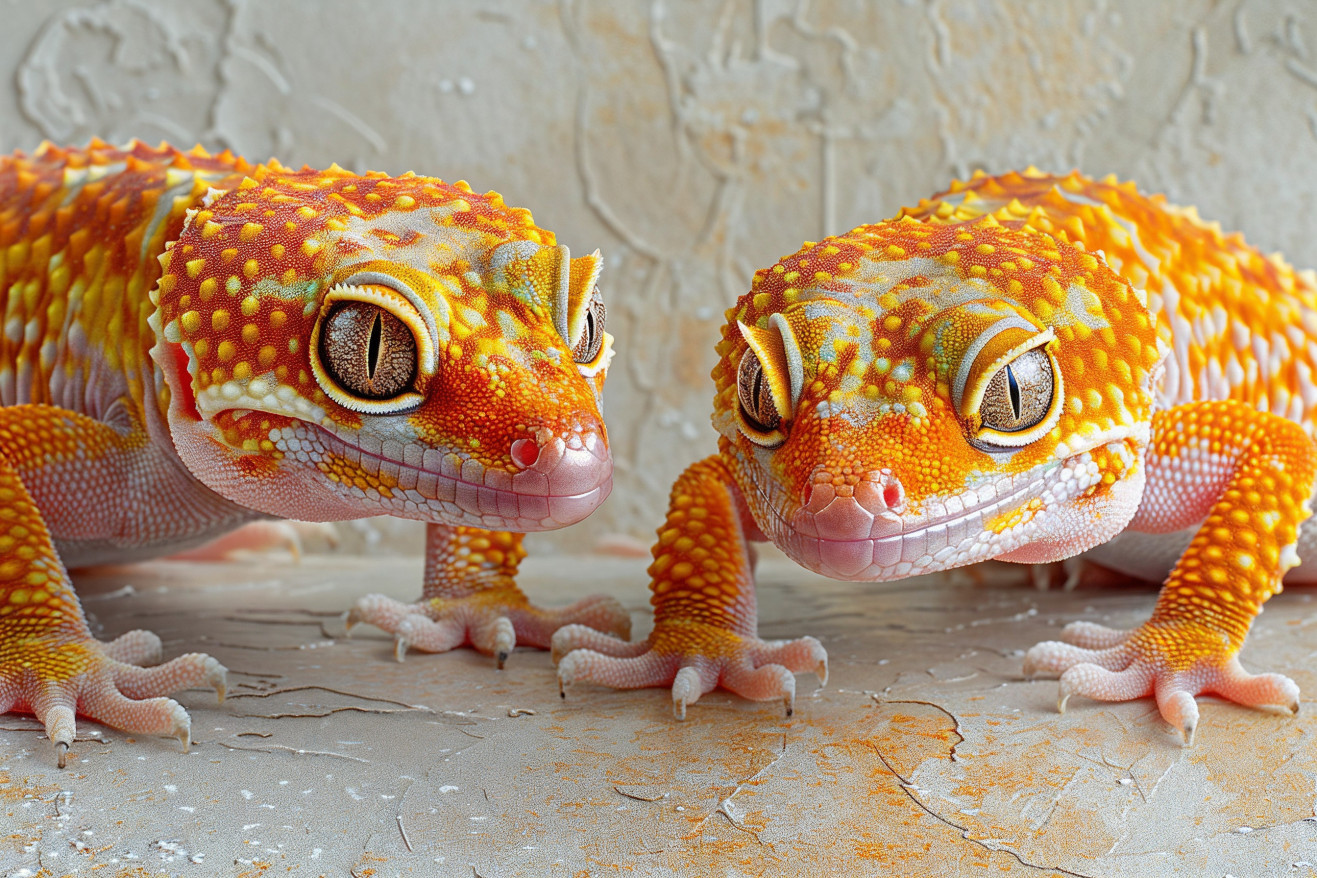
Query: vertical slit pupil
{"x":376,"y":339}
{"x":1014,"y":389}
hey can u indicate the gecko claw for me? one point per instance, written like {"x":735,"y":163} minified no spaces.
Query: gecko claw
{"x":502,"y":639}
{"x":217,"y":676}
{"x":686,"y":689}
{"x":182,"y":725}
{"x":1180,"y":709}
{"x":788,"y":683}
{"x":400,"y":645}
{"x":61,"y":728}
{"x":566,"y":676}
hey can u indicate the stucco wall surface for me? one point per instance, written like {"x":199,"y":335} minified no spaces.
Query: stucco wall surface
{"x":696,"y":141}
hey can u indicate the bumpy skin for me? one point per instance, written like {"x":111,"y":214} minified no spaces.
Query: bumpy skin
{"x":1160,"y":378}
{"x":192,"y":342}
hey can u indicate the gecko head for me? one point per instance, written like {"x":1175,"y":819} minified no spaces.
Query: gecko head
{"x":908,"y":397}
{"x":336,"y":346}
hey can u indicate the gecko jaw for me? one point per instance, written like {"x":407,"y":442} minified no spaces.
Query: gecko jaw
{"x":565,"y":484}
{"x":928,"y":545}
{"x":897,"y":546}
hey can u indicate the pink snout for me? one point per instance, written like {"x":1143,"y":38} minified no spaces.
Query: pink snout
{"x":853,"y":510}
{"x":840,"y":518}
{"x":573,"y":471}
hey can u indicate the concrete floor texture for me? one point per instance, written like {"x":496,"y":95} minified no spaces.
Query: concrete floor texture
{"x":927,"y":753}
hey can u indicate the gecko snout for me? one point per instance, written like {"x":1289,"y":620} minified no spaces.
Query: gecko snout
{"x":563,"y":463}
{"x":847,"y":505}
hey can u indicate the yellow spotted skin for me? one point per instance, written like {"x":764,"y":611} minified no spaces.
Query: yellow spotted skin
{"x":1025,"y":367}
{"x":191,"y":342}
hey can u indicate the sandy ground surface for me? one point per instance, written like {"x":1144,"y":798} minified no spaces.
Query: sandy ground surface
{"x":927,"y":753}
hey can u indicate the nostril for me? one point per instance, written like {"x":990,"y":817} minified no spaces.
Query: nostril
{"x":525,"y":452}
{"x":807,"y":494}
{"x":893,"y":495}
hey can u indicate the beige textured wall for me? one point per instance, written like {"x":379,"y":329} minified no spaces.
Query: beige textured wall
{"x":696,"y":141}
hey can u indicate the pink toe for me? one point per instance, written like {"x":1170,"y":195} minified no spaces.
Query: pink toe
{"x":59,"y":717}
{"x":571,"y":637}
{"x":257,"y":536}
{"x":650,"y":669}
{"x":150,"y":716}
{"x":428,"y":635}
{"x":135,"y":648}
{"x":1089,"y":635}
{"x":802,"y":656}
{"x":185,"y":672}
{"x":379,"y":610}
{"x":496,"y":636}
{"x":1178,"y":707}
{"x":1054,"y":656}
{"x":766,"y":683}
{"x":536,"y":627}
{"x":600,"y":612}
{"x":1253,"y":690}
{"x":1101,"y":684}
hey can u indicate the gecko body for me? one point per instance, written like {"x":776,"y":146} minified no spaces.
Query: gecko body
{"x":1025,"y":367}
{"x":191,"y":342}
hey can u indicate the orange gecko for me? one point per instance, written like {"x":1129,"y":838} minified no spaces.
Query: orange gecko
{"x":1025,"y":367}
{"x":191,"y":342}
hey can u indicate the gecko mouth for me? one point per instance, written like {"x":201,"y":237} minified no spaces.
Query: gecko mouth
{"x":443,"y":487}
{"x":936,"y":544}
{"x":897,"y":547}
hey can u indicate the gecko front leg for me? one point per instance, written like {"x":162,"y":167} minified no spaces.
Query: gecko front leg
{"x":1246,"y":477}
{"x":49,"y":662}
{"x":705,"y":616}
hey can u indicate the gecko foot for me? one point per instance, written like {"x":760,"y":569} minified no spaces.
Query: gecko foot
{"x":693,"y":658}
{"x":263,"y":537}
{"x":1173,"y":662}
{"x":492,"y":621}
{"x":137,"y":647}
{"x":58,"y":678}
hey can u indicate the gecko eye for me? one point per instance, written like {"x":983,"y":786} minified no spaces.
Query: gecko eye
{"x":1019,"y":396}
{"x":368,"y":351}
{"x":757,"y":407}
{"x":592,"y":337}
